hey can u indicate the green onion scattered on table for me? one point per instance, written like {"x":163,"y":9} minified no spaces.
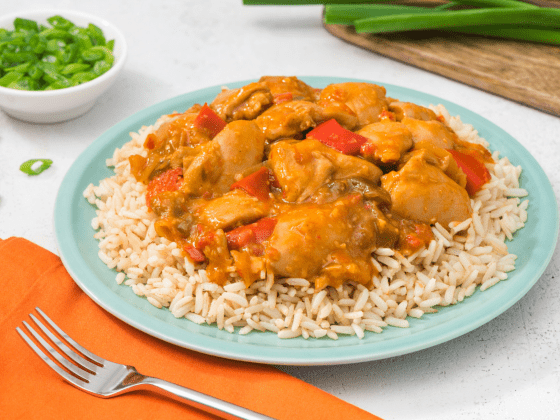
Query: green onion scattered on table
{"x":511,"y":19}
{"x":27,"y":167}
{"x":37,"y":57}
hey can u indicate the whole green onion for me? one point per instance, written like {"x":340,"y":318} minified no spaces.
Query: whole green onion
{"x":449,"y":19}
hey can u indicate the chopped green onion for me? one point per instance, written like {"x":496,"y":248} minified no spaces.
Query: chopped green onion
{"x":10,"y":77}
{"x":59,"y":22}
{"x":96,"y":35}
{"x":75,"y":68}
{"x":82,"y":77}
{"x":25,"y":25}
{"x":38,"y":57}
{"x":22,"y":68}
{"x":27,"y":167}
{"x":25,"y":83}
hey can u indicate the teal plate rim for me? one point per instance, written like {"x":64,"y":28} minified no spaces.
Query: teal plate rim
{"x":534,"y":246}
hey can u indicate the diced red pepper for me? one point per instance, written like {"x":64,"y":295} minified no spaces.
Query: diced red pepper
{"x":421,"y":236}
{"x":195,"y":254}
{"x":241,"y":236}
{"x":257,"y":184}
{"x":202,"y":238}
{"x":264,"y":228}
{"x":167,"y":181}
{"x":254,"y":233}
{"x":332,"y":134}
{"x":208,"y":120}
{"x":387,"y":115}
{"x":150,"y":141}
{"x":368,"y":149}
{"x":475,"y":170}
{"x":282,"y":97}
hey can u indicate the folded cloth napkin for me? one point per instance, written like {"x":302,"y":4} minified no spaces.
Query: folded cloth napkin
{"x":34,"y":277}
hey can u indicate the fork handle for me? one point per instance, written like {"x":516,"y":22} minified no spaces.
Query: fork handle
{"x":202,"y":401}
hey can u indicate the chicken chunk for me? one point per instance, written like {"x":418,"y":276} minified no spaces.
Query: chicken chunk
{"x":214,"y":166}
{"x":302,"y":167}
{"x":244,"y":103}
{"x":300,"y":90}
{"x":364,"y":100}
{"x":434,"y":132}
{"x":410,"y":110}
{"x":422,"y":192}
{"x":311,"y":238}
{"x":289,"y":119}
{"x":439,"y":157}
{"x":231,"y":210}
{"x":170,"y":141}
{"x":387,"y":141}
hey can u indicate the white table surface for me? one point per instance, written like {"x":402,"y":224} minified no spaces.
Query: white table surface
{"x":506,"y":369}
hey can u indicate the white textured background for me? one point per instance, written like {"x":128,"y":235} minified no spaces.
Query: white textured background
{"x":506,"y":369}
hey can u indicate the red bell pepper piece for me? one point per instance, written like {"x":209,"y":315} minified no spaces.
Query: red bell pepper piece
{"x":208,"y":120}
{"x":387,"y":115}
{"x":254,"y":233}
{"x":257,"y":184}
{"x":474,"y":169}
{"x":332,"y":134}
{"x":195,"y":254}
{"x":282,"y":97}
{"x":167,"y":181}
{"x":421,"y":236}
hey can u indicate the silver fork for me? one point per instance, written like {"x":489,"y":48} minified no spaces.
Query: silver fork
{"x":106,"y":379}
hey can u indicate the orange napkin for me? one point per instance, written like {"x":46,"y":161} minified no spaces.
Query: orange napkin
{"x":32,"y":276}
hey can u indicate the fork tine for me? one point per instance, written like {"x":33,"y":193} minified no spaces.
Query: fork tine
{"x":64,"y":348}
{"x":78,"y":347}
{"x":72,"y":368}
{"x":72,"y":379}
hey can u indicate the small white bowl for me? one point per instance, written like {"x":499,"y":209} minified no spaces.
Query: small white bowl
{"x":62,"y":104}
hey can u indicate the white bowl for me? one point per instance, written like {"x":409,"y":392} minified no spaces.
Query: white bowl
{"x":62,"y":104}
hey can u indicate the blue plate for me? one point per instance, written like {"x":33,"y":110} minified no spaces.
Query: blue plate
{"x":534,"y":245}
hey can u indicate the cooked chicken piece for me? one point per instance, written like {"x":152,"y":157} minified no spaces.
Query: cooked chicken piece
{"x":212,"y":167}
{"x":289,"y":119}
{"x":302,"y":167}
{"x":312,"y":237}
{"x":332,"y":191}
{"x":434,"y":132}
{"x":166,"y":146}
{"x":364,"y":100}
{"x":242,"y":146}
{"x":202,"y":167}
{"x":410,"y":110}
{"x":388,"y":141}
{"x":244,"y":103}
{"x":179,"y":131}
{"x":422,"y":192}
{"x":233,"y":209}
{"x":438,"y":157}
{"x":300,"y":90}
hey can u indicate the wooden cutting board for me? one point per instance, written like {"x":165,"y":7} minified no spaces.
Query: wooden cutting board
{"x":525,"y":72}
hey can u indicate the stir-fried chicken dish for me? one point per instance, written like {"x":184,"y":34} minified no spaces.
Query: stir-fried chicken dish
{"x":280,"y":177}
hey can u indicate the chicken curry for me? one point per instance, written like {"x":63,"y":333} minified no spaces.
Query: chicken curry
{"x":280,"y":177}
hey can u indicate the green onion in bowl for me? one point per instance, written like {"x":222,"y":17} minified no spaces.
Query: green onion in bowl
{"x":35,"y":56}
{"x":79,"y":53}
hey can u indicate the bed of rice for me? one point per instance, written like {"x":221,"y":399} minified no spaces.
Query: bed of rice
{"x":461,"y":258}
